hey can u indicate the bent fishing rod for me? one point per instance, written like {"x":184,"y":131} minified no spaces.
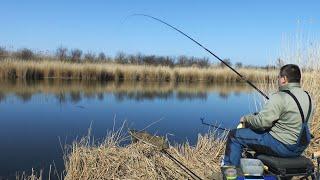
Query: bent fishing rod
{"x":184,"y":34}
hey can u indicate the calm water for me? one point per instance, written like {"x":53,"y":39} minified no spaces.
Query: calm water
{"x":35,"y":115}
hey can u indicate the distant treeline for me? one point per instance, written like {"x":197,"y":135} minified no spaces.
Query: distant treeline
{"x":77,"y":56}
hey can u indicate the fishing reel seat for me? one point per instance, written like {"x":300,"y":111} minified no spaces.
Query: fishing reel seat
{"x":288,"y":167}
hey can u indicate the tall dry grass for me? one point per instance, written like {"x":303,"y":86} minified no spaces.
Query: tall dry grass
{"x":108,"y":160}
{"x":12,"y":69}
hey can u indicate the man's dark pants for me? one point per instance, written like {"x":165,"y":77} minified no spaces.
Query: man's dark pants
{"x":261,"y":142}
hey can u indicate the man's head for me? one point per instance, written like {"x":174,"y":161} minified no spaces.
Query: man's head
{"x":289,"y":73}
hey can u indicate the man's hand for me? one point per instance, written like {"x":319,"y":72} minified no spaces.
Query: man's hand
{"x":241,"y":124}
{"x":242,"y":120}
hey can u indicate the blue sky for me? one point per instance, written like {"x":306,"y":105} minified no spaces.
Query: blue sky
{"x":244,"y":31}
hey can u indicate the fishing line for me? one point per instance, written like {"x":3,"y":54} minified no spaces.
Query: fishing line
{"x":189,"y":37}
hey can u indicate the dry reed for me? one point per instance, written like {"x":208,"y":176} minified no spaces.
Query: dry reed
{"x":108,"y":160}
{"x":12,"y":69}
{"x":33,"y":176}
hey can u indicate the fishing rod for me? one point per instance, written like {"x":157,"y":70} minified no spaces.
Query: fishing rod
{"x":241,"y":76}
{"x":182,"y":166}
{"x":163,"y":149}
{"x":214,"y":126}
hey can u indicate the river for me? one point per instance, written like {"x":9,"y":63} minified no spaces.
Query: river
{"x":38,"y":117}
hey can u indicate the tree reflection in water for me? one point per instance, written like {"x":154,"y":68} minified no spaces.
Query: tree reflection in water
{"x":74,"y":91}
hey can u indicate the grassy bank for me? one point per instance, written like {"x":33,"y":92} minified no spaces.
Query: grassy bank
{"x":18,"y":69}
{"x":86,"y":159}
{"x":108,"y":160}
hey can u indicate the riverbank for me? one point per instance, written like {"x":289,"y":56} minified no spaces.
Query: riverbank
{"x":45,"y":69}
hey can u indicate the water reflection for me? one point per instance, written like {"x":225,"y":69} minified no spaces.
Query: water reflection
{"x":67,"y":109}
{"x":75,"y":91}
{"x":2,"y":96}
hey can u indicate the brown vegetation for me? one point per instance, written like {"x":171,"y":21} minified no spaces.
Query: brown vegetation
{"x":108,"y":160}
{"x":33,"y":70}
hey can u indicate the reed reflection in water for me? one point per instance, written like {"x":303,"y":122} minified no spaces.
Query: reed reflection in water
{"x":74,"y":91}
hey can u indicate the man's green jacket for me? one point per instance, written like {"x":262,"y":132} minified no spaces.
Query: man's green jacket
{"x":281,"y":116}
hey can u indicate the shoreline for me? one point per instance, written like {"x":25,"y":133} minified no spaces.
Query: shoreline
{"x":45,"y":69}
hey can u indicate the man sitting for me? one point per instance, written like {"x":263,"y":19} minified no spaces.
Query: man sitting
{"x":280,"y":128}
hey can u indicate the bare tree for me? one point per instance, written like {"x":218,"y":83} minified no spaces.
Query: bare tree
{"x":102,"y":57}
{"x":227,"y":61}
{"x":238,"y":65}
{"x":89,"y":57}
{"x":61,"y":53}
{"x":25,"y":54}
{"x":121,"y":58}
{"x":204,"y":62}
{"x":76,"y":55}
{"x":3,"y":53}
{"x":182,"y":60}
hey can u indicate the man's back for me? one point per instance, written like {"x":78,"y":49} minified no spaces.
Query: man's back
{"x":281,"y":114}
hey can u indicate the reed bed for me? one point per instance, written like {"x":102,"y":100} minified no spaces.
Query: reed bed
{"x":13,"y":69}
{"x":108,"y":160}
